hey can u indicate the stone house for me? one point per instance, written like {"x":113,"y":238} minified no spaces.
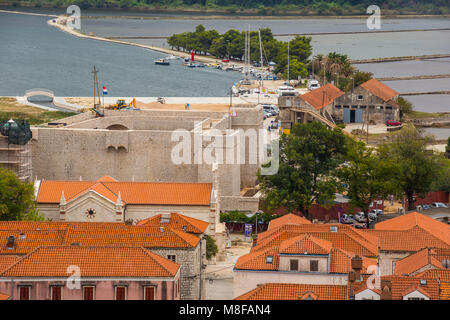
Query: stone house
{"x":108,"y":200}
{"x":303,"y":253}
{"x":186,"y":249}
{"x":371,"y":101}
{"x":91,"y":273}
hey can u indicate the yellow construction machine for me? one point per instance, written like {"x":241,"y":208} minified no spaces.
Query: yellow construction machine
{"x":121,"y":104}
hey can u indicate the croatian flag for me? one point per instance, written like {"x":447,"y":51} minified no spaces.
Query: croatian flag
{"x":105,"y":91}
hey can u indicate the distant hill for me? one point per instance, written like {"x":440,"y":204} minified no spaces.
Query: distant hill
{"x":255,"y":7}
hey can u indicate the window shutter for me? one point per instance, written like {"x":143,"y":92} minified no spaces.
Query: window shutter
{"x":56,"y":293}
{"x":88,"y":293}
{"x":24,"y":293}
{"x":149,"y":293}
{"x":120,"y":293}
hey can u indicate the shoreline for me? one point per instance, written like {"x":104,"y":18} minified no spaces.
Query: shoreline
{"x":213,"y":14}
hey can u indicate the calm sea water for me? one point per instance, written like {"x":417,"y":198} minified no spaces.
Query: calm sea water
{"x":34,"y":55}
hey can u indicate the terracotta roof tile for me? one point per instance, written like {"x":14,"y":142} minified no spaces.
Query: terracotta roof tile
{"x":379,"y":89}
{"x":93,"y":262}
{"x":258,"y":260}
{"x":401,"y":285}
{"x":322,"y":97}
{"x":442,"y":274}
{"x":6,"y":261}
{"x":287,"y":218}
{"x":445,"y":291}
{"x":177,"y":221}
{"x":305,"y":243}
{"x":161,"y":193}
{"x":30,"y":234}
{"x":4,"y":296}
{"x":341,"y":261}
{"x":414,"y":219}
{"x":425,"y":257}
{"x":345,"y":237}
{"x":287,"y":291}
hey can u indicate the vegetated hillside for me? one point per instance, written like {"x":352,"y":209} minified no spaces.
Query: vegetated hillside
{"x":260,"y":7}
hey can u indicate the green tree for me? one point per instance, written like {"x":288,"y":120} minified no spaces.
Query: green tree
{"x":211,"y":247}
{"x":16,"y":198}
{"x":368,"y":177}
{"x":418,"y":166}
{"x":307,"y":172}
{"x":405,"y":105}
{"x":442,"y":182}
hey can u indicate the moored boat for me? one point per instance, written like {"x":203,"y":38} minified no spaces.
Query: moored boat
{"x":162,"y":62}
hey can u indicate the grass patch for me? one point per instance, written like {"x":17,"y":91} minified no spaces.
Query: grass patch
{"x":11,"y":109}
{"x":423,"y":115}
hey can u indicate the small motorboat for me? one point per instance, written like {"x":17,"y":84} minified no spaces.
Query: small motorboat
{"x":162,"y":62}
{"x":172,"y":57}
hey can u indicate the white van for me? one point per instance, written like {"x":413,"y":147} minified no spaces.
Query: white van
{"x":313,"y":84}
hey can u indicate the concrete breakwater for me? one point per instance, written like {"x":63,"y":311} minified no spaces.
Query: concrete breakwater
{"x":405,"y":58}
{"x":421,"y":77}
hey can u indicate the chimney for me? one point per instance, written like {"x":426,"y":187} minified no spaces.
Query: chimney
{"x":351,"y":285}
{"x":357,"y":267}
{"x":386,"y":290}
{"x":10,"y":244}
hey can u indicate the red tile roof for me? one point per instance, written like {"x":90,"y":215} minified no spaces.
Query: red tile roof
{"x":442,"y":274}
{"x":288,"y":291}
{"x":346,"y":237}
{"x":287,"y":218}
{"x":305,"y":243}
{"x":402,"y":285}
{"x":177,"y":221}
{"x":411,"y":240}
{"x":31,"y":234}
{"x":93,"y":262}
{"x":425,"y":257}
{"x":380,"y":90}
{"x":320,"y":98}
{"x":4,"y":296}
{"x":156,"y":193}
{"x":6,"y":261}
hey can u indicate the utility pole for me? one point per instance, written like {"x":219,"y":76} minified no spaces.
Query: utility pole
{"x":289,"y":63}
{"x":96,"y":89}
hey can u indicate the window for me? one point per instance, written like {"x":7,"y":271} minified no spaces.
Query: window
{"x":269,"y":259}
{"x":388,"y":108}
{"x":354,"y":107}
{"x":121,"y":293}
{"x":372,"y":107}
{"x":346,"y":107}
{"x":149,"y":293}
{"x":313,"y":265}
{"x":338,"y":107}
{"x":360,"y":97}
{"x":88,"y":293}
{"x":415,"y":298}
{"x":172,"y":258}
{"x":362,"y":107}
{"x":380,"y":107}
{"x":56,"y":292}
{"x":294,"y":265}
{"x":24,"y":293}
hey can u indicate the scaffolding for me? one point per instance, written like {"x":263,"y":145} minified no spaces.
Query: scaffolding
{"x":16,"y":157}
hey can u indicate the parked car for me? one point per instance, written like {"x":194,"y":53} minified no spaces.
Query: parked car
{"x":393,"y":123}
{"x":377,"y":211}
{"x":360,"y":226}
{"x":347,"y":219}
{"x":271,"y":108}
{"x":372,"y":216}
{"x":267,"y":114}
{"x":426,"y":206}
{"x":360,"y":217}
{"x":438,"y":205}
